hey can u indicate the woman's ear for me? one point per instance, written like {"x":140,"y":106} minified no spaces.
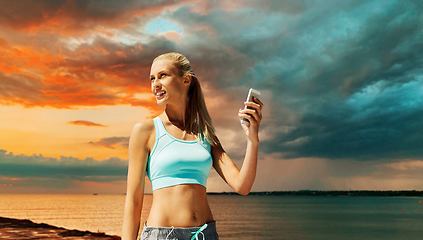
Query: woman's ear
{"x":187,"y":79}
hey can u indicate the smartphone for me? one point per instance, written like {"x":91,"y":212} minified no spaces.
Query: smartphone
{"x":252,"y":93}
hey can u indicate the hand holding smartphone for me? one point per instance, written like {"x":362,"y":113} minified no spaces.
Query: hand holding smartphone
{"x":252,"y":93}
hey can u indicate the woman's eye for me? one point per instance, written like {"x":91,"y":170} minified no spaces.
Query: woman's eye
{"x":151,"y":79}
{"x":163,"y":74}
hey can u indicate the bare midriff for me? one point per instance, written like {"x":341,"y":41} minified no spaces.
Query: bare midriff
{"x":180,"y":206}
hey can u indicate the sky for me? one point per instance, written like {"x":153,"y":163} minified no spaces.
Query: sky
{"x":341,"y":82}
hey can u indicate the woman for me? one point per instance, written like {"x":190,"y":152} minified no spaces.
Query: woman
{"x":177,"y":150}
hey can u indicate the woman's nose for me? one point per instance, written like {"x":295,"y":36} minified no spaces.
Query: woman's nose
{"x":156,"y":84}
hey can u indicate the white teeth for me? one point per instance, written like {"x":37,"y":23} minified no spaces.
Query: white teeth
{"x":160,"y":93}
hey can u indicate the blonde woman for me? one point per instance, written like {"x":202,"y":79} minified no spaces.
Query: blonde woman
{"x":176,"y":150}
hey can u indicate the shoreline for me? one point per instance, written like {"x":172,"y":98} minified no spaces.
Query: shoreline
{"x":11,"y":228}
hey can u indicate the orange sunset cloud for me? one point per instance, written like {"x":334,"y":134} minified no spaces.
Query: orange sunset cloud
{"x":86,"y":123}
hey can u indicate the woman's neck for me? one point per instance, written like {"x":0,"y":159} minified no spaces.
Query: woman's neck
{"x":176,"y":115}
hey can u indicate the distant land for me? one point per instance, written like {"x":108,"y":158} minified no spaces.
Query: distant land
{"x":351,"y":193}
{"x":11,"y":228}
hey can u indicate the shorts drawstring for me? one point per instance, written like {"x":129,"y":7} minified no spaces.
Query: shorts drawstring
{"x":195,"y":236}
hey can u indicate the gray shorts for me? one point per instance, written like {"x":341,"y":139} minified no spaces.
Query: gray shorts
{"x":205,"y":232}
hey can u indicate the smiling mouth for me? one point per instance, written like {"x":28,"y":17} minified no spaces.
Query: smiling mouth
{"x":160,"y":94}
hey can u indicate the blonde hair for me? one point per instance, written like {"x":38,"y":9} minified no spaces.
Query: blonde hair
{"x":197,"y":118}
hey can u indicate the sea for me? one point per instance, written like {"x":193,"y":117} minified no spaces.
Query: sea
{"x":240,"y":217}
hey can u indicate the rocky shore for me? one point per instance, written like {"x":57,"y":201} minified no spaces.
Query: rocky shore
{"x":25,"y":229}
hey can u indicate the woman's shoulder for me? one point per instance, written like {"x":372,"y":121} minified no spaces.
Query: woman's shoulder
{"x":143,"y":126}
{"x":143,"y":129}
{"x":143,"y":133}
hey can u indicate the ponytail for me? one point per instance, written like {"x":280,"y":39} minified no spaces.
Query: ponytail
{"x":197,"y":117}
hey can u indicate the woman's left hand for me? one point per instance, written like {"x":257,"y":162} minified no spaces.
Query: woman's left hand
{"x":253,"y":116}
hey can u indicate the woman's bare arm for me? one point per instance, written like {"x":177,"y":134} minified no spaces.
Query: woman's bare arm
{"x":138,"y":157}
{"x":241,"y":180}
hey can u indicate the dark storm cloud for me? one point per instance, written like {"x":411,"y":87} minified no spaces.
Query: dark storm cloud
{"x":38,"y":166}
{"x":364,"y":101}
{"x":346,"y":81}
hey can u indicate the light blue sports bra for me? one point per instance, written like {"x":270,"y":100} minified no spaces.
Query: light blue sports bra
{"x":173,"y":161}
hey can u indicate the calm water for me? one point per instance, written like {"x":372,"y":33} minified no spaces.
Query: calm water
{"x":240,"y":217}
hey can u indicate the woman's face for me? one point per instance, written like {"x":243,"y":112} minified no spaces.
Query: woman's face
{"x":166,"y":83}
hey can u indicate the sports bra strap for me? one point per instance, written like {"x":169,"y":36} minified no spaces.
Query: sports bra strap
{"x":160,"y":129}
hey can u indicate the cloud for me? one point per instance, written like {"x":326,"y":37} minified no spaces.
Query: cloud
{"x":59,"y":16}
{"x":86,"y":123}
{"x":351,"y":88}
{"x":406,"y":166}
{"x":17,"y":167}
{"x":112,"y":142}
{"x":84,"y":67}
{"x":21,"y":173}
{"x":103,"y":73}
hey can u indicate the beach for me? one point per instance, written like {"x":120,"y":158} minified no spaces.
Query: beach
{"x":11,"y":228}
